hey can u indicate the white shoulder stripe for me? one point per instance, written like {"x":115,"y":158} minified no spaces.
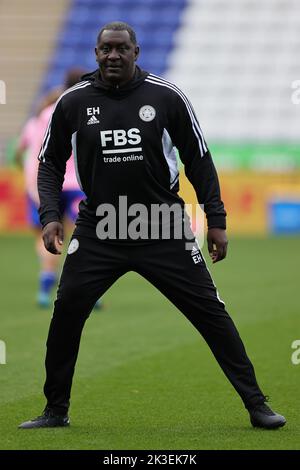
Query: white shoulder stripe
{"x":187,"y":103}
{"x":170,"y":156}
{"x":202,"y":145}
{"x":78,"y":86}
{"x":195,"y":124}
{"x":74,"y":147}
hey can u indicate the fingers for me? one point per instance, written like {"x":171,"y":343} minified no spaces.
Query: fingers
{"x":210,"y":246}
{"x":60,"y":235}
{"x":217,"y":244}
{"x":220,"y":252}
{"x":217,"y":251}
{"x":50,"y":243}
{"x":212,"y":251}
{"x":53,"y":237}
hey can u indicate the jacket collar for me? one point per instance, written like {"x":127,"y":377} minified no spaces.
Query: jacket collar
{"x":96,"y":81}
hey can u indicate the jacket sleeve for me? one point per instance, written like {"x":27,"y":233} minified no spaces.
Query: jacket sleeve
{"x":55,"y":151}
{"x":198,"y":163}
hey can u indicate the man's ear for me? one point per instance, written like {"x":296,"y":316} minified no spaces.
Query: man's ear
{"x":137,"y":52}
{"x":96,"y":53}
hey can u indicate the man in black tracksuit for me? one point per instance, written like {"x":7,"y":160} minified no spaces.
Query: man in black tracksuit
{"x":123,"y":125}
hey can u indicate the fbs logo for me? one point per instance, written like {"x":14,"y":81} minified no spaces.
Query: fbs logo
{"x":120,"y":137}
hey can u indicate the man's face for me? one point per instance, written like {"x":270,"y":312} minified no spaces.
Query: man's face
{"x":116,"y":56}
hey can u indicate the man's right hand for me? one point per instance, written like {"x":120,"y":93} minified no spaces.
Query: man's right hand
{"x":53,"y":235}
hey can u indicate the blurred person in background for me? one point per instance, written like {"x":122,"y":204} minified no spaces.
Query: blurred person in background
{"x":29,"y":147}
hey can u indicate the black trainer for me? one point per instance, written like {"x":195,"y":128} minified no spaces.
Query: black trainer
{"x":47,"y":420}
{"x":261,"y":416}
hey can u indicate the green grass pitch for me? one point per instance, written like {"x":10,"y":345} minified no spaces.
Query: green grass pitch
{"x":145,"y":379}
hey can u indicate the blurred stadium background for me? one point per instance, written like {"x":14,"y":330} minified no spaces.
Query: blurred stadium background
{"x":238,"y":61}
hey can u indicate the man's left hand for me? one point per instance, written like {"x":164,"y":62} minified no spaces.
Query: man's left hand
{"x":217,"y":244}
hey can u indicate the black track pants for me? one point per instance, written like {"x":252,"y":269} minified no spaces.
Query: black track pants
{"x":179,"y":274}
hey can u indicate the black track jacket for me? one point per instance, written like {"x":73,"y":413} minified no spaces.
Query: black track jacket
{"x":123,"y":141}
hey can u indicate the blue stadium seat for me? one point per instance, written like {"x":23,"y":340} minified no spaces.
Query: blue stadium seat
{"x":78,"y":16}
{"x":103,"y":16}
{"x":155,"y":22}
